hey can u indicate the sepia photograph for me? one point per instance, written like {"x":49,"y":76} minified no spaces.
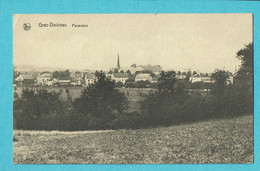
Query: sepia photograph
{"x":154,"y":88}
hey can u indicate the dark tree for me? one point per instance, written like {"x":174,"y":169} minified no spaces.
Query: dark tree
{"x":101,"y":101}
{"x":188,"y":76}
{"x":61,"y":74}
{"x":119,"y":84}
{"x":245,"y":72}
{"x":142,"y":84}
{"x":188,"y":73}
{"x":167,"y":81}
{"x":161,"y":106}
{"x":99,"y":74}
{"x":220,"y":77}
{"x":243,"y":81}
{"x":56,"y":74}
{"x":39,"y":109}
{"x":67,"y":73}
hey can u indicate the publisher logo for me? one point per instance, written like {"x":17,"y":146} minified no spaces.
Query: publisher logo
{"x":26,"y":26}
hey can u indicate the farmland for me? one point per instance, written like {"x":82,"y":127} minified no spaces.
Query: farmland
{"x":215,"y":141}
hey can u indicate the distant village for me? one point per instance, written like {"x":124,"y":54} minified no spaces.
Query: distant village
{"x":121,"y":76}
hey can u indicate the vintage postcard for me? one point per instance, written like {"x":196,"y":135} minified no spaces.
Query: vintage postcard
{"x":133,"y":88}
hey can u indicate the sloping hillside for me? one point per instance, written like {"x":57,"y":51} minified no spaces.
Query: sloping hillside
{"x":222,"y":141}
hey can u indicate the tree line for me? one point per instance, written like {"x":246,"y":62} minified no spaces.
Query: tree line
{"x":102,"y":106}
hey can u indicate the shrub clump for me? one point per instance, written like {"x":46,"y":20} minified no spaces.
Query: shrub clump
{"x":100,"y":103}
{"x":39,"y":109}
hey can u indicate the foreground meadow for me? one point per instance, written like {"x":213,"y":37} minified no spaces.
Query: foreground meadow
{"x":219,"y":141}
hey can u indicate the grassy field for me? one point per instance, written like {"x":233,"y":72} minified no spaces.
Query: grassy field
{"x":216,"y":141}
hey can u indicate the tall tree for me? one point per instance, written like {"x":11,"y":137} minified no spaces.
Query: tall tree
{"x":245,"y":72}
{"x":56,"y":74}
{"x":160,"y":107}
{"x":67,"y":74}
{"x":101,"y":99}
{"x":167,"y":81}
{"x":220,"y":77}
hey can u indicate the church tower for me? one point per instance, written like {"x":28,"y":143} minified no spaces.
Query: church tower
{"x":118,"y":63}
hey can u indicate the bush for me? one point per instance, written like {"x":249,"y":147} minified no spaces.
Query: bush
{"x":38,"y":109}
{"x":163,"y":106}
{"x":101,"y":102}
{"x":132,"y":120}
{"x":119,"y":84}
{"x":142,"y":84}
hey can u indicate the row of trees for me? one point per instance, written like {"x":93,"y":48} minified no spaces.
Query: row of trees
{"x":62,"y":75}
{"x":102,"y":106}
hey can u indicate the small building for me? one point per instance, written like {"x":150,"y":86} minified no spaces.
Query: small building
{"x":19,"y":80}
{"x":24,"y":80}
{"x":89,"y":78}
{"x":194,"y":79}
{"x":143,"y":77}
{"x":119,"y":77}
{"x":44,"y":78}
{"x":64,"y":82}
{"x":209,"y":79}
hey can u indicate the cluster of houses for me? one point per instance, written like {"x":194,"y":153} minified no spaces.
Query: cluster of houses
{"x":117,"y":74}
{"x":207,"y":79}
{"x":87,"y":78}
{"x":76,"y":79}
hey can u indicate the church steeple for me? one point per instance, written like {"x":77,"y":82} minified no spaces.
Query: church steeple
{"x":118,"y":63}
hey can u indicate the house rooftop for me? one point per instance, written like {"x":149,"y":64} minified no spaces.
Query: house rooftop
{"x":27,"y":77}
{"x":45,"y":75}
{"x":64,"y":81}
{"x":143,"y":75}
{"x":120,"y":75}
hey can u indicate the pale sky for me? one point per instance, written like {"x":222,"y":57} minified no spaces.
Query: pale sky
{"x":201,"y":42}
